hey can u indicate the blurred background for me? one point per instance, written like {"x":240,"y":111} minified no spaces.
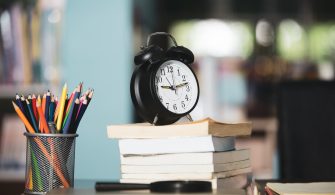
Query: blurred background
{"x":243,"y":50}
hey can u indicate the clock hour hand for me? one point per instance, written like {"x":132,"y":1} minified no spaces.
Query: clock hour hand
{"x":181,"y":85}
{"x":166,"y":87}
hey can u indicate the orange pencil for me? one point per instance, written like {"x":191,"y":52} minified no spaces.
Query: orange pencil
{"x":23,"y":118}
{"x":43,"y":122}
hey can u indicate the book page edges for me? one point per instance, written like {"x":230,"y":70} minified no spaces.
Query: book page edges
{"x":197,"y":128}
{"x":313,"y":188}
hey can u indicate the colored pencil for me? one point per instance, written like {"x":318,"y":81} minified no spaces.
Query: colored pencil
{"x":61,"y":108}
{"x":51,"y":109}
{"x":42,"y":118}
{"x":74,"y":115}
{"x":71,"y":105}
{"x":47,"y":104}
{"x":89,"y":97}
{"x":43,"y":103}
{"x":18,"y":101}
{"x":32,"y":117}
{"x":70,"y":100}
{"x":56,"y":111}
{"x":25,"y":121}
{"x":81,"y":112}
{"x":24,"y":105}
{"x":39,"y":115}
{"x":33,"y":105}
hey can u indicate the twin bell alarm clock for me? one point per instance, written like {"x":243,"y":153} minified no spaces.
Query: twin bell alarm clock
{"x":163,"y":86}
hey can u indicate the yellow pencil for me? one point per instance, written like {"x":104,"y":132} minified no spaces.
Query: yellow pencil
{"x":61,"y":108}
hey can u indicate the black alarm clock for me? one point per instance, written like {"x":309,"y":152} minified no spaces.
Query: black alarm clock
{"x":163,"y":86}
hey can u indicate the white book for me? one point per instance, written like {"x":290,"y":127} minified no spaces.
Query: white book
{"x":234,"y":182}
{"x":186,"y":158}
{"x":185,"y":176}
{"x":206,"y":168}
{"x":180,"y":129}
{"x":176,"y":145}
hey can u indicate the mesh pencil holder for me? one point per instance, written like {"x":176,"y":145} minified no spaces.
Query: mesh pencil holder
{"x":49,"y":162}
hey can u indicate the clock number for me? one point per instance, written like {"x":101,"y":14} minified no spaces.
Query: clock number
{"x":178,"y":72}
{"x":159,"y":79}
{"x":183,"y":104}
{"x":188,"y":88}
{"x":167,"y":105}
{"x":162,"y":71}
{"x":156,"y":87}
{"x":186,"y":98}
{"x":160,"y":98}
{"x":170,"y":68}
{"x":175,"y":106}
{"x":184,"y":77}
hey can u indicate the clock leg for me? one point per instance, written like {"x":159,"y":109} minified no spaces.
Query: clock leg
{"x":155,"y":120}
{"x":189,"y":117}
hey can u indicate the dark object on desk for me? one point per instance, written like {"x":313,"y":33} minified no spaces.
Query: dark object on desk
{"x":306,"y":134}
{"x":160,"y":75}
{"x":160,"y":186}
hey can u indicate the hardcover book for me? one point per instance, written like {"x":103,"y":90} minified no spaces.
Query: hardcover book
{"x":196,"y":128}
{"x":186,"y":158}
{"x":176,"y":145}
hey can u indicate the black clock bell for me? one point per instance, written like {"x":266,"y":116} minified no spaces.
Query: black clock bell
{"x":163,"y":86}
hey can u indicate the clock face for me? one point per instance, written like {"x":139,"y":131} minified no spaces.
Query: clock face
{"x":176,"y":86}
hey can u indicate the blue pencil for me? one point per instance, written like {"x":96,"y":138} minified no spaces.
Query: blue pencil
{"x":18,"y":102}
{"x":52,"y":109}
{"x":31,"y":116}
{"x":80,"y":115}
{"x":74,"y":116}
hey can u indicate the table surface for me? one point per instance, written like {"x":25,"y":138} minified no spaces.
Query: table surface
{"x":86,"y":187}
{"x":74,"y":191}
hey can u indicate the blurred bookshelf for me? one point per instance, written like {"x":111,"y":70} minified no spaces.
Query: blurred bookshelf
{"x":29,"y":64}
{"x":242,"y":53}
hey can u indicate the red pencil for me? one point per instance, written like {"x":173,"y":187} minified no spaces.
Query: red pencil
{"x":33,"y":104}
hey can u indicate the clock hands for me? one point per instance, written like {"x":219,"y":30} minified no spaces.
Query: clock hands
{"x":168,"y":87}
{"x":181,"y":85}
{"x":174,"y":85}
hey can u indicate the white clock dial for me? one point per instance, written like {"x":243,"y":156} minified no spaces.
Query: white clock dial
{"x":176,"y":86}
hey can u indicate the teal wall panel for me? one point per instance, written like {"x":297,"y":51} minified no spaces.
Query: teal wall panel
{"x":97,"y":49}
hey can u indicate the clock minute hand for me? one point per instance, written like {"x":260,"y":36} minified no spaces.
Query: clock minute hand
{"x":174,"y":85}
{"x":171,"y":86}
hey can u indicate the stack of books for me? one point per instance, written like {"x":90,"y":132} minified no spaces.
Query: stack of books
{"x":201,"y":150}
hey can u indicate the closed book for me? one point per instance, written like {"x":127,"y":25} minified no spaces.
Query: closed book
{"x":185,"y":176}
{"x":234,"y":182}
{"x":196,"y":128}
{"x":185,"y":168}
{"x":176,"y":145}
{"x":312,"y":188}
{"x":186,"y":158}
